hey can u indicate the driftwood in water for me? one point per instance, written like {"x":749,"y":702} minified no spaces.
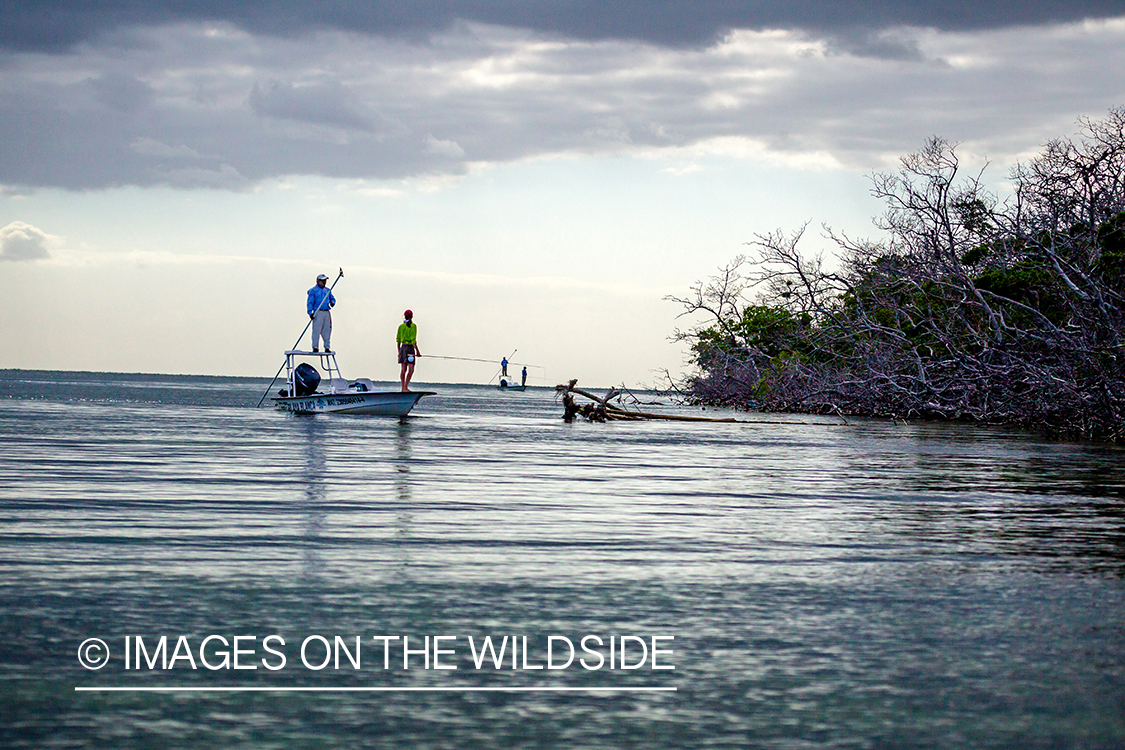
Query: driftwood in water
{"x":601,"y":410}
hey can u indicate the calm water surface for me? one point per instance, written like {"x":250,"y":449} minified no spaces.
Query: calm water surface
{"x":866,"y":585}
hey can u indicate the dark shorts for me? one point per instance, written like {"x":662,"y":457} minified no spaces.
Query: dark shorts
{"x":404,"y":351}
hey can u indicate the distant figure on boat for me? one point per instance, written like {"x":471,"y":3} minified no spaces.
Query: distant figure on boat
{"x":523,"y":377}
{"x":407,"y":340}
{"x":319,"y":307}
{"x":504,"y":367}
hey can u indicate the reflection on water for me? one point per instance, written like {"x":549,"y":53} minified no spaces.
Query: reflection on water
{"x":311,"y":435}
{"x":402,"y":461}
{"x":403,"y":521}
{"x":867,"y":585}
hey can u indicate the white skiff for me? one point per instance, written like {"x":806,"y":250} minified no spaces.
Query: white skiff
{"x":305,"y":394}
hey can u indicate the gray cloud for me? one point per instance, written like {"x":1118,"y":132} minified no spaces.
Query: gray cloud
{"x":329,"y":104}
{"x":20,"y":241}
{"x":882,"y":44}
{"x":123,"y":93}
{"x":150,"y":147}
{"x":56,"y":25}
{"x":211,"y":106}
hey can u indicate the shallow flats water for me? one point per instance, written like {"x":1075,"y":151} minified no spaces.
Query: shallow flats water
{"x":813,"y":584}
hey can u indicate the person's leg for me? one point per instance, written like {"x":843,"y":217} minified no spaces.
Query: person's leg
{"x":409,"y":375}
{"x":327,"y":329}
{"x":402,"y":376}
{"x":317,"y":330}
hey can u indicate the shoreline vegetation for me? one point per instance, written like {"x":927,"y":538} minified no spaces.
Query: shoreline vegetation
{"x":974,"y":308}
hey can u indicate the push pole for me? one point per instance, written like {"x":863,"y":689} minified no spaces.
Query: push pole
{"x":298,"y":341}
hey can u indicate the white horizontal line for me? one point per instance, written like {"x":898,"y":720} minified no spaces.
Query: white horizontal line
{"x":440,"y":689}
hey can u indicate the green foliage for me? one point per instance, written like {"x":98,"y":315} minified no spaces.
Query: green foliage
{"x":763,"y":332}
{"x":1111,"y":265}
{"x":1028,"y":283}
{"x":976,"y":255}
{"x":1111,"y":235}
{"x":770,"y":330}
{"x":973,"y":214}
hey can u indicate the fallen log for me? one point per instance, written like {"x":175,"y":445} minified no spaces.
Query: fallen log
{"x":683,"y":417}
{"x":603,"y":411}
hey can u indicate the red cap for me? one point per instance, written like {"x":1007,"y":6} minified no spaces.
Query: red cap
{"x":408,"y":314}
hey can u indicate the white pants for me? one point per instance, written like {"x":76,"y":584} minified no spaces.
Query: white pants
{"x":322,"y":328}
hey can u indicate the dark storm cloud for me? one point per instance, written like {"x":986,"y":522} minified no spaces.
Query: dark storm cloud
{"x":210,"y":105}
{"x":57,"y":25}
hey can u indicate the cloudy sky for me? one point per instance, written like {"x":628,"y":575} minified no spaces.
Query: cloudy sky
{"x":531,"y":176}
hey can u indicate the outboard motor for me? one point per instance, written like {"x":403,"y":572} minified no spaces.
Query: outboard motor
{"x":305,"y":379}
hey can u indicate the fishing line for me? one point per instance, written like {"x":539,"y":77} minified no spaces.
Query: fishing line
{"x":475,"y":359}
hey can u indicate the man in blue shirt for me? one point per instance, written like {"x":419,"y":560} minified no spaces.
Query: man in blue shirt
{"x":319,"y":307}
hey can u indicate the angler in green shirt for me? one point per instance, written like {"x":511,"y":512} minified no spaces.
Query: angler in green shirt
{"x":407,"y":340}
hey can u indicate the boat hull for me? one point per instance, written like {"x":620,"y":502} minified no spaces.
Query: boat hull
{"x":377,"y":403}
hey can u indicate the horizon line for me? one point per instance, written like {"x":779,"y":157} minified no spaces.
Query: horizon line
{"x":373,"y":689}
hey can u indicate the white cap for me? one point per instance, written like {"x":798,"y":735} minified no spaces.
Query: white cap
{"x":322,"y":277}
